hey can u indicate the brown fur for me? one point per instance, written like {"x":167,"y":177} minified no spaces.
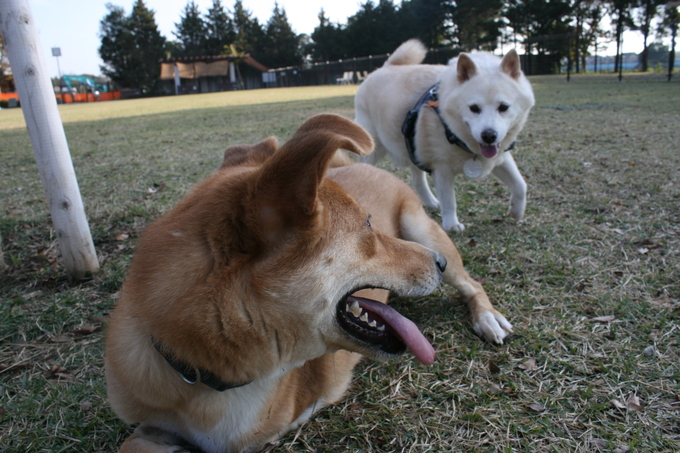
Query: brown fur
{"x":242,"y":279}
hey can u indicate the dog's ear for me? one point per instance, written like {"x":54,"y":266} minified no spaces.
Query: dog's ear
{"x":300,"y":165}
{"x":466,"y":68}
{"x":511,"y":64}
{"x":251,"y":155}
{"x":285,"y":195}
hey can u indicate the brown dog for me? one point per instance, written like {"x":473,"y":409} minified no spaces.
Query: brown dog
{"x":243,"y":303}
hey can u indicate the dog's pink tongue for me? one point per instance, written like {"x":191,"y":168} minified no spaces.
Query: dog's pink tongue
{"x":489,"y":150}
{"x":404,"y":328}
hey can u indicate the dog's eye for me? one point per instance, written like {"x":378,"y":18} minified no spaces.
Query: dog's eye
{"x":503,"y":108}
{"x":474,"y":108}
{"x":368,"y":221}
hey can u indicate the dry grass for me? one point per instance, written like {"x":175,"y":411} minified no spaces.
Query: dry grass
{"x":73,"y":113}
{"x":591,"y":281}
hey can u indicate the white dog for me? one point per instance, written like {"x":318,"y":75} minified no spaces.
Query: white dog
{"x":462,"y":117}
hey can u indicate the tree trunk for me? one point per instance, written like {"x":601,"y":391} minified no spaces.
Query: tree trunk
{"x":3,"y":265}
{"x":46,"y":131}
{"x":579,"y":31}
{"x":619,"y":31}
{"x":671,"y":56}
{"x":649,"y":13}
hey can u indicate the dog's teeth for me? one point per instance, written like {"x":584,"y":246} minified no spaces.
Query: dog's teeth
{"x":373,"y":323}
{"x":355,"y":309}
{"x":381,"y":328}
{"x":364,"y":317}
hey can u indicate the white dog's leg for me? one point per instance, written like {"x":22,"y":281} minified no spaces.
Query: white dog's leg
{"x":509,"y":174}
{"x":443,"y":184}
{"x":422,"y":188}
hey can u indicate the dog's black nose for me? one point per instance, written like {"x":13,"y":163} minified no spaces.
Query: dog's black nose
{"x":489,"y":136}
{"x":441,"y":261}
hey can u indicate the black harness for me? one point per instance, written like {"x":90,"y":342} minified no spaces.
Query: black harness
{"x":192,"y":375}
{"x":408,"y":128}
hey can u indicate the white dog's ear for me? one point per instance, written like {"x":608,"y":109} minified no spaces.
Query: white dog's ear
{"x":466,"y":68}
{"x":511,"y":65}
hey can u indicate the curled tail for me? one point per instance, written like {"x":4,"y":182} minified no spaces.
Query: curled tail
{"x":411,"y":52}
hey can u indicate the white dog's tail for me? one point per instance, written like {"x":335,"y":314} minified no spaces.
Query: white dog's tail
{"x":411,"y":52}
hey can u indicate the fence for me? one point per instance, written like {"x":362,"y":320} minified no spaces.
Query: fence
{"x":542,"y":55}
{"x":351,"y":70}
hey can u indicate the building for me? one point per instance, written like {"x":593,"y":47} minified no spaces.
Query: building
{"x":208,"y":74}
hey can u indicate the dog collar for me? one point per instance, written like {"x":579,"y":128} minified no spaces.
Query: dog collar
{"x":192,"y":375}
{"x":408,"y":128}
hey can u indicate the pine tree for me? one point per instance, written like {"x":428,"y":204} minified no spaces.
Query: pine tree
{"x":282,"y":45}
{"x":587,"y":15}
{"x":621,"y":19}
{"x":117,"y":48}
{"x":148,"y":42}
{"x":477,"y":23}
{"x":328,"y":41}
{"x":250,"y":37}
{"x":537,"y":18}
{"x":669,"y":26}
{"x":191,"y":31}
{"x":649,"y":9}
{"x":374,"y":29}
{"x":427,"y":20}
{"x":220,"y":29}
{"x":131,"y":47}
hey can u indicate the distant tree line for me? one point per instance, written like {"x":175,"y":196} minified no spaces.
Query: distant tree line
{"x":131,"y":45}
{"x":6,"y":79}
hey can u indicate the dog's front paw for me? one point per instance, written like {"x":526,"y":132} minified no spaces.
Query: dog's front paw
{"x":492,"y":326}
{"x":517,"y":206}
{"x":516,"y":213}
{"x":453,"y":225}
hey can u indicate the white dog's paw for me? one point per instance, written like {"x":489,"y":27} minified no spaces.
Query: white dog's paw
{"x":492,"y":326}
{"x":517,"y":209}
{"x":454,"y":225}
{"x":516,"y":214}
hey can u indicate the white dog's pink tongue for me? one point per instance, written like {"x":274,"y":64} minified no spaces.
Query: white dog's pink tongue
{"x":404,"y":328}
{"x":489,"y":151}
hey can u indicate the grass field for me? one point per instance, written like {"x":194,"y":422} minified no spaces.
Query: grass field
{"x":590,"y":279}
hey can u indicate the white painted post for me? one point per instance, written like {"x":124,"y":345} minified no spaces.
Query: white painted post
{"x":47,"y":137}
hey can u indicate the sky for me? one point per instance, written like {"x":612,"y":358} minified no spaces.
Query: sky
{"x":73,"y":25}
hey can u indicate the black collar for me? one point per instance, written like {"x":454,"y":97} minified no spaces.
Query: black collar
{"x":408,"y":128}
{"x":193,"y":375}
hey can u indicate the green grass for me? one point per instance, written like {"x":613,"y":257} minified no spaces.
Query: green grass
{"x":601,"y":238}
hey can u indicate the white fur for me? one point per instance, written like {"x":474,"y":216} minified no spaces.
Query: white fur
{"x":245,"y":405}
{"x":493,"y":326}
{"x":385,"y":97}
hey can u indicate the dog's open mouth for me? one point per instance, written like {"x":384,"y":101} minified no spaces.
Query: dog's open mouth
{"x":488,"y":151}
{"x":382,"y":326}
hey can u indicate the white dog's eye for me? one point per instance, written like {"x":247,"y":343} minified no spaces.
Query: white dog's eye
{"x":368,"y":221}
{"x":503,"y":108}
{"x":474,"y":108}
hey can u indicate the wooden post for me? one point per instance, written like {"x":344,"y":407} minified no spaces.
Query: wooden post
{"x":47,"y":137}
